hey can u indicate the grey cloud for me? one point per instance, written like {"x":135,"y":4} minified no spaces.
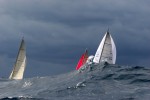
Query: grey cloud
{"x":57,"y":32}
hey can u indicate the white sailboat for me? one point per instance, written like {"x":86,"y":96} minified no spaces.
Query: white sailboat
{"x":20,"y":64}
{"x":106,"y":51}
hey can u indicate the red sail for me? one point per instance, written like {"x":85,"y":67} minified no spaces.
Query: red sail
{"x":82,"y":60}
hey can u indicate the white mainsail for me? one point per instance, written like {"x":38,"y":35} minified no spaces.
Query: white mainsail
{"x":20,"y":63}
{"x":106,"y":50}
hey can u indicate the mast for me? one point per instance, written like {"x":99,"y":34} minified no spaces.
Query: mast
{"x":20,"y":64}
{"x":106,"y":54}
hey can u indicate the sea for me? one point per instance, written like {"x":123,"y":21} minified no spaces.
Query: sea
{"x":94,"y":82}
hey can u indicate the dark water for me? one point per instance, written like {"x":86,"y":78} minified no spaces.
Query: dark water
{"x":102,"y":82}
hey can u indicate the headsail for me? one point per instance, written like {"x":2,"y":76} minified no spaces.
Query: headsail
{"x":106,"y":50}
{"x":82,"y":60}
{"x":20,"y":64}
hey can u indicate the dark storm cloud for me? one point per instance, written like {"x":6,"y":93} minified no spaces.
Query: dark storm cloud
{"x":57,"y":32}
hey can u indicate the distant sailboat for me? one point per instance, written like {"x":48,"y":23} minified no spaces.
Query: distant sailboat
{"x":106,"y":51}
{"x":82,"y":60}
{"x":20,"y":64}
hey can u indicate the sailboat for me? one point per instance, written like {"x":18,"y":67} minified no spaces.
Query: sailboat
{"x":20,"y":64}
{"x":106,"y":51}
{"x":82,"y":60}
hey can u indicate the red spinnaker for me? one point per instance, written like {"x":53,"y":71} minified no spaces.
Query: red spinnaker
{"x":82,"y":60}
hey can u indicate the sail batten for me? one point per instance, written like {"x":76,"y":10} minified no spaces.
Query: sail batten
{"x":20,"y":64}
{"x":106,"y":50}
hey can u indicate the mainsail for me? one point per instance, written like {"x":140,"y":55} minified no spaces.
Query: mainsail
{"x":20,"y":64}
{"x":106,"y":51}
{"x":82,"y":60}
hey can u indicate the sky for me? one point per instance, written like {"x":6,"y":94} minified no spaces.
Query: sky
{"x":57,"y":32}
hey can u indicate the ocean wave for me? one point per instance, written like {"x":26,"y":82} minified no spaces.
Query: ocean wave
{"x":21,"y":98}
{"x":104,"y":82}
